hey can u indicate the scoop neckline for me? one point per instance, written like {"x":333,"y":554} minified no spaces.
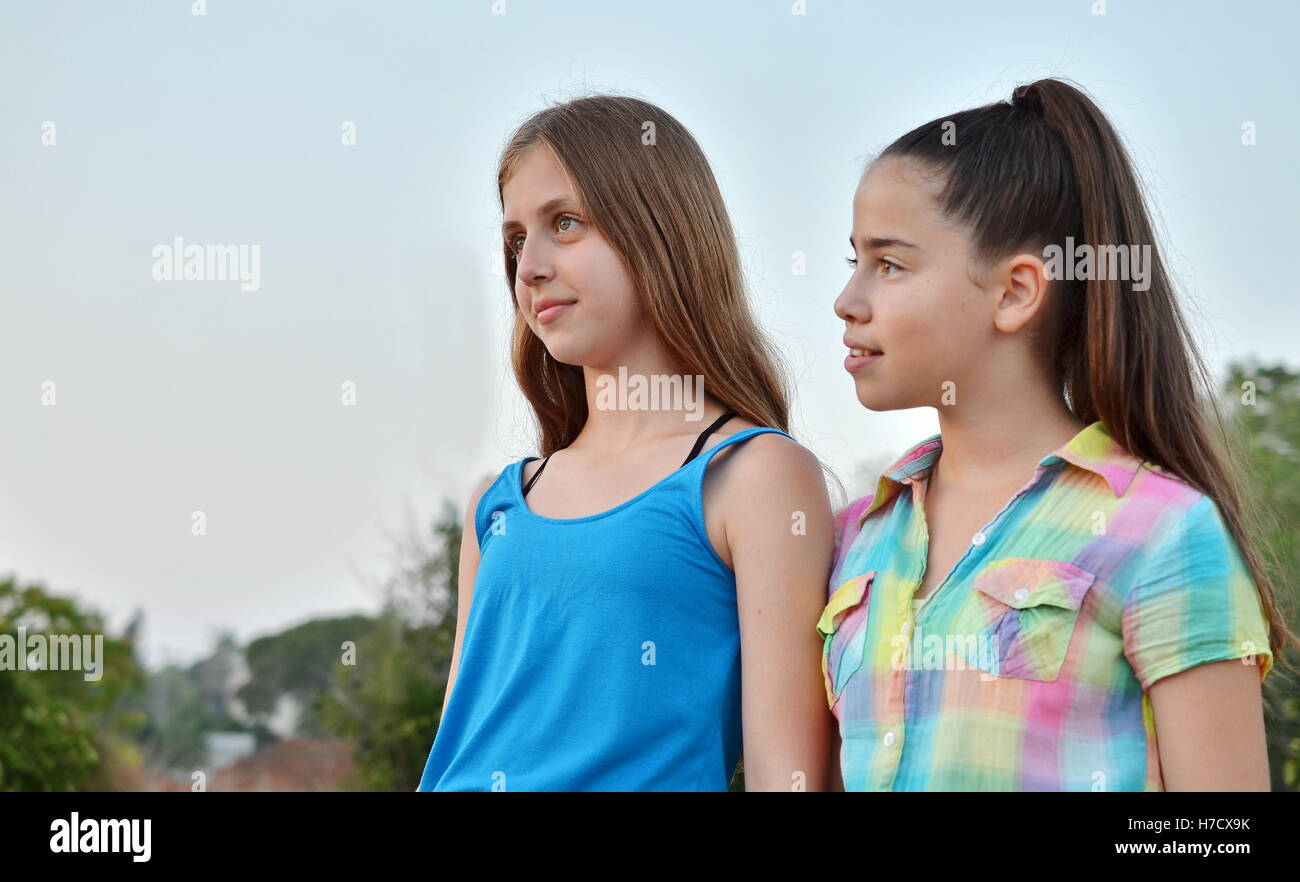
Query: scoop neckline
{"x":518,"y":490}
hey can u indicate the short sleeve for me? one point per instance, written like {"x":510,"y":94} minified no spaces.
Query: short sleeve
{"x":1193,"y":601}
{"x":846,"y":531}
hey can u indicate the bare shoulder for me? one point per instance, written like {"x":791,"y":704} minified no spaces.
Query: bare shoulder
{"x":770,"y":463}
{"x":772,"y":485}
{"x":771,"y":449}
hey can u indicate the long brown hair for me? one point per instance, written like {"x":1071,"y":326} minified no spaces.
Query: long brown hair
{"x":1045,"y":165}
{"x":645,"y":184}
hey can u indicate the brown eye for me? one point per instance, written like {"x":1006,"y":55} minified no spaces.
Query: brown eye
{"x":567,"y":217}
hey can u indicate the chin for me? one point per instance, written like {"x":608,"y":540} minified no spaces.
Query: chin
{"x":874,"y":399}
{"x":569,"y":351}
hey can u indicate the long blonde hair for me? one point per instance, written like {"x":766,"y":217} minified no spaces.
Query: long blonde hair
{"x":646,"y":186}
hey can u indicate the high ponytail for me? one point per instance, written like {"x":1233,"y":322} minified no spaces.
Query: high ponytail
{"x":1047,"y":167}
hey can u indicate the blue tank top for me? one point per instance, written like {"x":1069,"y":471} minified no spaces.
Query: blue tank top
{"x":601,"y":652}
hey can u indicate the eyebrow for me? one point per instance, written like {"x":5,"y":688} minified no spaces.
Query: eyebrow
{"x":547,"y":207}
{"x":884,"y":242}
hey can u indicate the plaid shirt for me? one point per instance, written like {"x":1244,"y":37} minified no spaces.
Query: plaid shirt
{"x":1028,"y":667}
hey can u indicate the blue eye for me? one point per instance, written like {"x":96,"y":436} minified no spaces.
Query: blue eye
{"x":515,"y":243}
{"x":852,"y":261}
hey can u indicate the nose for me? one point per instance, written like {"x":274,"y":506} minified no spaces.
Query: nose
{"x":534,"y":265}
{"x":852,"y":305}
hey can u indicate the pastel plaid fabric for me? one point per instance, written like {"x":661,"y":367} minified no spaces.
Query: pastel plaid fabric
{"x":1028,"y":667}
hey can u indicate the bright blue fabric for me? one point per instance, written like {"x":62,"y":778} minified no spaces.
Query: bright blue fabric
{"x":601,"y":653}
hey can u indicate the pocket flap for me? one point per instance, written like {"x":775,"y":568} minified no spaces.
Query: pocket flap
{"x":1022,"y":582}
{"x":846,"y":597}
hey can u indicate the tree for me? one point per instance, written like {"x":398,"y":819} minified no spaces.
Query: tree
{"x":58,"y":730}
{"x":298,"y":663}
{"x":388,"y":703}
{"x":1265,"y":405}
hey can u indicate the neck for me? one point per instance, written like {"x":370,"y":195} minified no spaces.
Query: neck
{"x":995,"y":438}
{"x":631,"y":404}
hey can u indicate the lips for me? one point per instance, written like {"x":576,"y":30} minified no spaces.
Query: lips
{"x":858,"y":349}
{"x":548,"y":309}
{"x":854,"y":363}
{"x":860,"y":355}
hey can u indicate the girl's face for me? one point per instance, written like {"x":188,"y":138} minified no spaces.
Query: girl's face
{"x":571,"y":286}
{"x":910,"y":305}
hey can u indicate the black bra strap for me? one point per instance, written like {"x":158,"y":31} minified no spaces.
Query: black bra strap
{"x":695,"y":451}
{"x":537,"y":474}
{"x":699,"y":442}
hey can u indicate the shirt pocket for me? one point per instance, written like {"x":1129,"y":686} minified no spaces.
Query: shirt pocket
{"x":1027,"y":609}
{"x":843,"y":630}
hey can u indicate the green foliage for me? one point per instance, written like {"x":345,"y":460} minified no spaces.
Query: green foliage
{"x":173,"y":735}
{"x":1265,"y":405}
{"x":59,"y":731}
{"x":389,"y":703}
{"x":177,"y":719}
{"x":299,"y":662}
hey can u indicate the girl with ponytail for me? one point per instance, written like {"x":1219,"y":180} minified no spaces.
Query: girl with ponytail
{"x":1060,"y":590}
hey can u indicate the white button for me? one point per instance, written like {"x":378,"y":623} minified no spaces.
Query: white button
{"x":1022,"y":593}
{"x":889,"y":739}
{"x":978,"y":538}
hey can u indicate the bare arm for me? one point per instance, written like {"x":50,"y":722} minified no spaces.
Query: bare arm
{"x":780,"y":539}
{"x":1210,"y":725}
{"x":468,"y":569}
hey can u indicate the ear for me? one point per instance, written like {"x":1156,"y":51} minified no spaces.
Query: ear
{"x":1021,"y":291}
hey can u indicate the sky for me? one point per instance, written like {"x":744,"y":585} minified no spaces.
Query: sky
{"x":131,"y":402}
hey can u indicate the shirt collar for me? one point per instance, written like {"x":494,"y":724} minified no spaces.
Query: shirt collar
{"x":1092,"y":449}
